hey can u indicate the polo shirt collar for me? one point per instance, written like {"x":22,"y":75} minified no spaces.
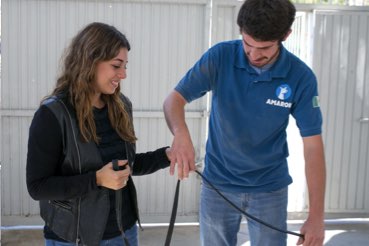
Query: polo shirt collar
{"x":280,"y":68}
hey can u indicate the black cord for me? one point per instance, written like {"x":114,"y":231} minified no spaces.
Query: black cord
{"x":118,"y":205}
{"x":249,"y":215}
{"x":173,"y":216}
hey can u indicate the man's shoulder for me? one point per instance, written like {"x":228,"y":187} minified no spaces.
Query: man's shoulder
{"x":226,"y":45}
{"x":297,"y":63}
{"x":226,"y":49}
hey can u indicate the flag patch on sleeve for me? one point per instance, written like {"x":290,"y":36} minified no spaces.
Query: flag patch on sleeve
{"x":316,"y":102}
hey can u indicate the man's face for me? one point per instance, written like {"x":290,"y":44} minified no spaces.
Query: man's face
{"x":260,"y":53}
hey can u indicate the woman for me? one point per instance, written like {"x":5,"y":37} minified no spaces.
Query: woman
{"x":75,"y":135}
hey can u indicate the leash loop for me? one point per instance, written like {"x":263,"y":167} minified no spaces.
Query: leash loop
{"x":247,"y":214}
{"x":175,"y":206}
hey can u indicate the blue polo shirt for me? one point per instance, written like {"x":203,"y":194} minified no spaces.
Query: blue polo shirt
{"x":246,"y":150}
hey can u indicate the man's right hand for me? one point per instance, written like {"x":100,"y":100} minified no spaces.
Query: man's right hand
{"x":182,"y":151}
{"x":183,"y":154}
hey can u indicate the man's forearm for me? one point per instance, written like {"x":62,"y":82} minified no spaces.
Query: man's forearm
{"x":315,"y":175}
{"x":174,"y":113}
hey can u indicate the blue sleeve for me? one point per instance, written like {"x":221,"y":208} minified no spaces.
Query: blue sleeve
{"x":199,"y":79}
{"x":306,"y":109}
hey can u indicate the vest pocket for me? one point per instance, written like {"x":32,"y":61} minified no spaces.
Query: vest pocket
{"x":62,"y":204}
{"x":63,"y":221}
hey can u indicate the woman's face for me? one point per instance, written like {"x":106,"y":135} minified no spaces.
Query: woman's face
{"x":110,"y":73}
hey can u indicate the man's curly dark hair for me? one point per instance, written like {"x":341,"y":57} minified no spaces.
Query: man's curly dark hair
{"x":266,"y":20}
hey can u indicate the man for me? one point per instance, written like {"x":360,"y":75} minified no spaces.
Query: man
{"x":256,"y":84}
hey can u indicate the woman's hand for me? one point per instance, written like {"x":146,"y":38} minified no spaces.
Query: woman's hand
{"x":168,"y":152}
{"x":111,"y":179}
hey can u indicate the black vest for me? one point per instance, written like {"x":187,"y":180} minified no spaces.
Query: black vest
{"x":80,"y":220}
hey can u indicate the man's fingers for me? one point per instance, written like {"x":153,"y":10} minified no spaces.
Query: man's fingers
{"x":172,"y":166}
{"x":186,"y":169}
{"x":180,"y":170}
{"x":300,"y":241}
{"x":184,"y":166}
{"x":192,"y":166}
{"x":311,"y":241}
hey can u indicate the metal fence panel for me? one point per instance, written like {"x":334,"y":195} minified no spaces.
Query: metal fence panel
{"x":344,"y":88}
{"x":167,"y":37}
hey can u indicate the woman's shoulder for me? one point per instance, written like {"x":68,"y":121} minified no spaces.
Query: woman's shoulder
{"x":54,"y":99}
{"x":59,"y":100}
{"x":59,"y":106}
{"x":44,"y":117}
{"x":126,"y":100}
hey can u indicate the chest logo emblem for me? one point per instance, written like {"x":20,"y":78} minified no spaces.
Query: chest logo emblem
{"x":283,"y":92}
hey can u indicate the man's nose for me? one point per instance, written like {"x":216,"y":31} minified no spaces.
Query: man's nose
{"x":254,"y":54}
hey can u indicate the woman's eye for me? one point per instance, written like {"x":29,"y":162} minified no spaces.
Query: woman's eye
{"x":118,"y":67}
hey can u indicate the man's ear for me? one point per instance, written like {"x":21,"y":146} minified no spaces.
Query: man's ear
{"x":287,"y":34}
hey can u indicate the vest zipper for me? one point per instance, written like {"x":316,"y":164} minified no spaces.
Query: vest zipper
{"x":135,"y":203}
{"x":80,"y":170}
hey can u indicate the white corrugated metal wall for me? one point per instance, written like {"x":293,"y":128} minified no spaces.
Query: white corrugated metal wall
{"x":167,"y":37}
{"x":344,"y":87}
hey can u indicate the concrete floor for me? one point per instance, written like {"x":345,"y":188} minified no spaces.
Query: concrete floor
{"x":348,"y":232}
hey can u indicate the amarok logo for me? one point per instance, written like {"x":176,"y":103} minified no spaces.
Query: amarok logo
{"x":279,"y":103}
{"x":283,"y":92}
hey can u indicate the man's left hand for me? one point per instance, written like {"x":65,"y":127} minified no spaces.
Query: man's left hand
{"x":313,"y":231}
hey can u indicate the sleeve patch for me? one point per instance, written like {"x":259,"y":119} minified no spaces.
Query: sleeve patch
{"x":316,"y":103}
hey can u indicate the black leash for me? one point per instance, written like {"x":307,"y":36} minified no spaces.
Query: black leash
{"x":118,"y":205}
{"x":173,"y":216}
{"x":175,"y":205}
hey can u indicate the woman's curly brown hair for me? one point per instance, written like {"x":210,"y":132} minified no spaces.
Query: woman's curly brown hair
{"x":96,"y":43}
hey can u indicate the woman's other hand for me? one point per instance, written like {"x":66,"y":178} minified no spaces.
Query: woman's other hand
{"x":168,"y":152}
{"x":111,"y":179}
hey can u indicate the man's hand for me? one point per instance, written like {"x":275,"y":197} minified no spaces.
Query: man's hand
{"x":111,"y":179}
{"x":313,"y":231}
{"x":182,"y":153}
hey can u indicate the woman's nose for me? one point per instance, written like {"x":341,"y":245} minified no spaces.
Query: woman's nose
{"x":122,"y":73}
